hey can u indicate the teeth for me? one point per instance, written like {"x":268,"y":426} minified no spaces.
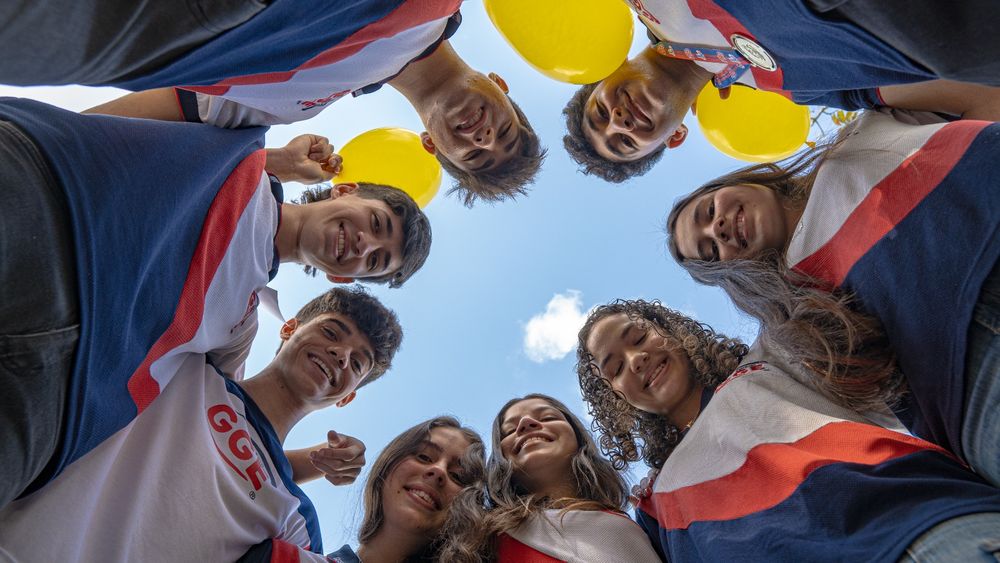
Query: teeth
{"x":534,"y":439}
{"x":474,"y":119}
{"x":340,"y":244}
{"x":420,"y":494}
{"x":323,"y":367}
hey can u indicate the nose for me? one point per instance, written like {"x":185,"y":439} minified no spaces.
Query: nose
{"x":436,"y":471}
{"x":341,"y":354}
{"x":527,"y":424}
{"x":483,"y":137}
{"x":637,"y":360}
{"x":365,"y":244}
{"x":621,"y":119}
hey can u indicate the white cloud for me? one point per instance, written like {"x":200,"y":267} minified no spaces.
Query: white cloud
{"x":552,"y":335}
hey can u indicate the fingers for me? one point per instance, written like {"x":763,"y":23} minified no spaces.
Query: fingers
{"x":334,"y":164}
{"x":320,"y":149}
{"x":342,"y":460}
{"x":724,"y":92}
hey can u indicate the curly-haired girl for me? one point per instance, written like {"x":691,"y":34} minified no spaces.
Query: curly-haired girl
{"x":881,"y":246}
{"x":552,"y":496}
{"x":761,"y":464}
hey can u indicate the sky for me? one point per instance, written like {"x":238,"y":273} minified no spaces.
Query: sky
{"x":495,"y":311}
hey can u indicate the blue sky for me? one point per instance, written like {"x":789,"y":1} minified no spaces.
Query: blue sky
{"x":495,"y":274}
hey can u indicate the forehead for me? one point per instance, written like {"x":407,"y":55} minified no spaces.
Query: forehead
{"x":607,"y":332}
{"x":685,"y":228}
{"x":344,"y":323}
{"x":451,"y":441}
{"x":528,"y":407}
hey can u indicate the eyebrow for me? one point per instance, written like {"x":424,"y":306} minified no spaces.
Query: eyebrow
{"x":484,"y":165}
{"x":342,"y":326}
{"x":388,"y":223}
{"x":428,"y":444}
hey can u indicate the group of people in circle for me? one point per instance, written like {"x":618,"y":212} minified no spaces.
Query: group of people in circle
{"x":861,"y":424}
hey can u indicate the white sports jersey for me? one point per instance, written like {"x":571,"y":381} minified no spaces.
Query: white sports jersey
{"x":577,"y":536}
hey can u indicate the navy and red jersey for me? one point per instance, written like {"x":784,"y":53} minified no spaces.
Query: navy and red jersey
{"x":173,"y":227}
{"x":905,"y":216}
{"x":773,"y":470}
{"x":819,"y":61}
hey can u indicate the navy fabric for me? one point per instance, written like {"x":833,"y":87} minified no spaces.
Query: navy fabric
{"x":841,"y":512}
{"x":923,"y":278}
{"x":138,"y":192}
{"x":280,"y":38}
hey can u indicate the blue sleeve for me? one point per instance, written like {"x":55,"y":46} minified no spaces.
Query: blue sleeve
{"x":652,"y":529}
{"x":260,"y":553}
{"x":865,"y":98}
{"x":188,"y":101}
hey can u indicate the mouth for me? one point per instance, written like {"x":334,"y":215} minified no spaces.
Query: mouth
{"x":636,"y":110}
{"x":741,"y":229}
{"x":423,"y":498}
{"x":655,"y":375}
{"x":341,"y":248}
{"x":324,"y":368}
{"x":473,"y":120}
{"x":531,"y":440}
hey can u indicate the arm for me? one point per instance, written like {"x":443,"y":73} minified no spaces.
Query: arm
{"x":339,"y":460}
{"x":307,"y":159}
{"x":969,"y":101}
{"x":274,"y":550}
{"x":158,"y":104}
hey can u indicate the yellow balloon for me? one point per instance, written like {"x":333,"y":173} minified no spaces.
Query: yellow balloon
{"x":577,"y":41}
{"x":391,"y":156}
{"x":752,"y":125}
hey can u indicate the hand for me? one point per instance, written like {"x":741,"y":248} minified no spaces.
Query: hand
{"x":341,"y":460}
{"x":723,"y":95}
{"x":308,"y":159}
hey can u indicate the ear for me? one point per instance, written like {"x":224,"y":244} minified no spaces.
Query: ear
{"x":499,"y":82}
{"x":338,"y":279}
{"x":678,"y":137}
{"x":346,"y":400}
{"x":288,"y":329}
{"x":342,"y":189}
{"x":427,"y":142}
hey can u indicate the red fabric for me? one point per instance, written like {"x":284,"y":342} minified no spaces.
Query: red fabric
{"x":284,"y":552}
{"x":216,"y":234}
{"x":727,"y":26}
{"x":890,"y":201}
{"x":510,"y":550}
{"x":773,"y":472}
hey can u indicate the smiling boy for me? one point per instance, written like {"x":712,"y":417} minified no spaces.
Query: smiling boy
{"x":130,"y":243}
{"x":200,"y":476}
{"x":619,"y":127}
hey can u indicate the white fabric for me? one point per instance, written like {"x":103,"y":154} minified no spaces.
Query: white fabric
{"x":586,"y":536}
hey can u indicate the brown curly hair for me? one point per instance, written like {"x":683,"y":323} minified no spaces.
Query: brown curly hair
{"x":628,"y":434}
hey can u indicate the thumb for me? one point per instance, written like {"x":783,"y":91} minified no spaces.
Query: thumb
{"x":334,"y":439}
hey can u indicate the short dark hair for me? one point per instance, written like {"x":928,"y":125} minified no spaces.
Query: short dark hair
{"x":375,"y":320}
{"x":506,"y":181}
{"x":416,"y":227}
{"x":584,"y":154}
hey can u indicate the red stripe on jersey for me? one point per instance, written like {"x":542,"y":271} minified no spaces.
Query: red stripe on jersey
{"x":890,"y":201}
{"x":510,"y":550}
{"x":284,"y":552}
{"x":230,"y":463}
{"x":727,"y":25}
{"x":410,"y":14}
{"x":772,"y":472}
{"x":216,"y":233}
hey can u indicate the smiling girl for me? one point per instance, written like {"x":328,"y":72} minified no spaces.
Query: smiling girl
{"x":553,"y":497}
{"x":881,"y":246}
{"x":756,"y":464}
{"x":424,"y":486}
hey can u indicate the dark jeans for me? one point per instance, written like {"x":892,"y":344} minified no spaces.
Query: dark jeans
{"x":39,"y":311}
{"x":97,"y":41}
{"x":958,"y":40}
{"x":981,"y":425}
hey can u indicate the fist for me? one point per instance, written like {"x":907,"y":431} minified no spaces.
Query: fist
{"x":341,"y":459}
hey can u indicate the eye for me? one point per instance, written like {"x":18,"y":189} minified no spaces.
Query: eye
{"x":618,"y":371}
{"x":471,"y":155}
{"x":330,"y":333}
{"x":711,"y":210}
{"x":376,"y":223}
{"x":642,"y":338}
{"x":356,"y":365}
{"x":506,"y":129}
{"x":424,"y":458}
{"x":602,"y":111}
{"x":628,"y":142}
{"x":372,"y":262}
{"x":456,"y":477}
{"x":715,"y":252}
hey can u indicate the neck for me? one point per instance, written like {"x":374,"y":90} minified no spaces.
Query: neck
{"x":555,"y":483}
{"x":289,"y":231}
{"x":275,"y":400}
{"x":391,"y":547}
{"x":422,"y":82}
{"x":792,"y":215}
{"x":688,"y":409}
{"x":685,"y":76}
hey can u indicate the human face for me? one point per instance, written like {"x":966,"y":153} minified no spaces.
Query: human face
{"x":419,"y":490}
{"x":347,"y":236}
{"x":326,"y":358}
{"x":537,"y":439}
{"x":633,"y":112}
{"x":652,"y":372}
{"x":732,"y":222}
{"x":474,"y":125}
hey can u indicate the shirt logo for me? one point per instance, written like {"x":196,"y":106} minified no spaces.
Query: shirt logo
{"x":743,"y":370}
{"x":251,"y":307}
{"x":320,"y":102}
{"x":642,"y":11}
{"x":235,"y":446}
{"x":754,"y":53}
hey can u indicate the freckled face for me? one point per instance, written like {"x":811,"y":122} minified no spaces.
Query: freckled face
{"x":651,"y":371}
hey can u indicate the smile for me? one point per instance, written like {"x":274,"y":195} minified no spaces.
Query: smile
{"x":654,"y":376}
{"x":741,"y":229}
{"x":423,"y":498}
{"x":323,"y":367}
{"x":636,"y":111}
{"x":531,"y":440}
{"x":473,"y":121}
{"x":341,"y":243}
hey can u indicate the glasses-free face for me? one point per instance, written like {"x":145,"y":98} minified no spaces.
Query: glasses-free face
{"x":349,"y":237}
{"x":651,"y":371}
{"x":732,"y":222}
{"x":326,"y":358}
{"x":477,"y":128}
{"x":419,"y":490}
{"x":536,"y":438}
{"x":630,"y":114}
